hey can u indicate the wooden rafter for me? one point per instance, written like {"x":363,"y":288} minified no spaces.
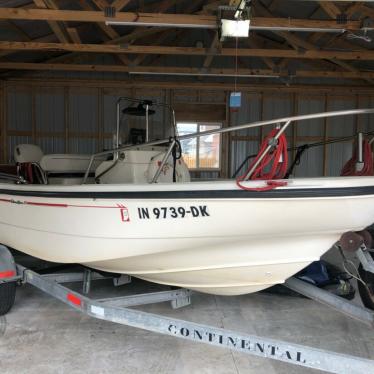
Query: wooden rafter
{"x":186,"y":85}
{"x":159,"y":40}
{"x":58,"y":29}
{"x":157,"y":6}
{"x":184,"y":70}
{"x":353,"y":8}
{"x":115,"y":38}
{"x":120,"y":4}
{"x":334,"y":11}
{"x":122,"y":45}
{"x":297,"y":42}
{"x":117,"y":4}
{"x":213,"y":46}
{"x":200,"y":21}
{"x":176,"y":50}
{"x":330,"y":8}
{"x":74,"y":35}
{"x":107,"y":30}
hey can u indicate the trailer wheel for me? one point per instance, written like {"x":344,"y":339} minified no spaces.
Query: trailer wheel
{"x":366,"y":292}
{"x":7,"y":296}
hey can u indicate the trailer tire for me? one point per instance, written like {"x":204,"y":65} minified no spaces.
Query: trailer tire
{"x":366,"y":292}
{"x":7,"y":296}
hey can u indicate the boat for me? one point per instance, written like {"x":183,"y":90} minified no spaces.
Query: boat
{"x":218,"y":237}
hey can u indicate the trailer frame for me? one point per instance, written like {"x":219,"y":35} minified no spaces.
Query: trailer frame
{"x":117,"y":310}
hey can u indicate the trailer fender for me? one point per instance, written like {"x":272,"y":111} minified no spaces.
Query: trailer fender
{"x":8,"y":270}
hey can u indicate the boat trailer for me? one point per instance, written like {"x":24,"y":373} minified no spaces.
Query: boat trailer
{"x":117,"y":310}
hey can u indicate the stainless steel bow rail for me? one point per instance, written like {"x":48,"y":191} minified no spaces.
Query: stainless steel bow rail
{"x":282,"y":122}
{"x":117,"y":310}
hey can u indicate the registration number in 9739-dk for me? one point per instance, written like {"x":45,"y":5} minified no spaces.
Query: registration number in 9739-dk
{"x":164,"y":212}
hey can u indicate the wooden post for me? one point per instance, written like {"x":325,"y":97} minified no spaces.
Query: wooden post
{"x":226,"y":144}
{"x":100,"y":119}
{"x":295,"y":101}
{"x":262,"y":115}
{"x":325,"y":138}
{"x":2,"y":120}
{"x":33,"y":116}
{"x":66,"y":117}
{"x":358,"y":119}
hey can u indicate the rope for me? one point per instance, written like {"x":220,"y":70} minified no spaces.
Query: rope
{"x":276,"y":159}
{"x":349,"y":168}
{"x":300,"y":151}
{"x":176,"y":154}
{"x":270,"y":185}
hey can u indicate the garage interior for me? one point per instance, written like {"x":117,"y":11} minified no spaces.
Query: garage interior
{"x":63,"y":66}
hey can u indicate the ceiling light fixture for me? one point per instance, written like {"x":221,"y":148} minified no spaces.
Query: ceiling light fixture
{"x":235,"y":28}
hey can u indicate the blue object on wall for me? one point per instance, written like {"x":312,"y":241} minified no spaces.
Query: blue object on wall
{"x":235,"y":99}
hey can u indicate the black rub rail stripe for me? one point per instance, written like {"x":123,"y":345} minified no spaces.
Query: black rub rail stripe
{"x":199,"y":194}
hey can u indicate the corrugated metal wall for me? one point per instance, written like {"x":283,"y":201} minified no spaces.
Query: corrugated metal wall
{"x":82,"y":119}
{"x":318,"y":161}
{"x":72,"y":119}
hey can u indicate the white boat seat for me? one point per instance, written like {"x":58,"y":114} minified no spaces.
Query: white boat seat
{"x":27,"y":153}
{"x":67,"y":163}
{"x":59,"y":168}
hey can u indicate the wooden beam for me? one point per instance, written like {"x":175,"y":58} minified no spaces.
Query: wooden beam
{"x":170,"y":20}
{"x":161,"y":70}
{"x":114,"y":37}
{"x":120,"y":4}
{"x":107,"y":30}
{"x":367,"y":55}
{"x":333,"y":11}
{"x":74,"y":35}
{"x":47,"y":38}
{"x":54,"y":25}
{"x":18,"y":30}
{"x":353,"y":8}
{"x":163,"y":6}
{"x":299,"y":42}
{"x":149,"y":86}
{"x":3,"y":122}
{"x":98,"y":16}
{"x":268,"y":61}
{"x":288,"y":23}
{"x":159,"y":40}
{"x":101,"y":4}
{"x":330,"y":8}
{"x":213,"y":46}
{"x":117,"y":4}
{"x":212,"y":6}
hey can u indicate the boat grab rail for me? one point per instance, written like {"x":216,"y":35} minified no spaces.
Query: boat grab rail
{"x":285,"y":120}
{"x":14,"y":178}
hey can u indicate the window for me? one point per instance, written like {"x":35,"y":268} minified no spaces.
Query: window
{"x":202,"y":152}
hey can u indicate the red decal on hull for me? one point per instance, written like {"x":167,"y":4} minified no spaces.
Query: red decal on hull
{"x":125,"y":216}
{"x":47,"y":204}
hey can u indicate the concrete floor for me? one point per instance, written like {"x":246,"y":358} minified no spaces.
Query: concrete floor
{"x":42,"y":335}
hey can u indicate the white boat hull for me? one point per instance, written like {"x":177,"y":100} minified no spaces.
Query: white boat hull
{"x":210,"y":237}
